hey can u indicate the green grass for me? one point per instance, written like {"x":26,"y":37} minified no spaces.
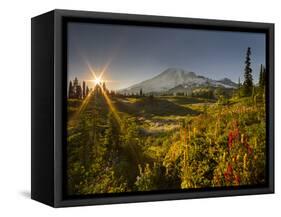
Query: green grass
{"x":149,"y":107}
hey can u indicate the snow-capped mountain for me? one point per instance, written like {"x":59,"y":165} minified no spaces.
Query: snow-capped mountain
{"x":172,"y":78}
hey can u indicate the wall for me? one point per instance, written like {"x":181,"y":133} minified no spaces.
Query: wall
{"x":15,"y":106}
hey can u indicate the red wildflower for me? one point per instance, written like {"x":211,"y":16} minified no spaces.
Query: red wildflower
{"x":226,"y":177}
{"x":229,"y":169}
{"x":232,"y":135}
{"x":236,"y":133}
{"x":228,"y":173}
{"x":249,"y":149}
{"x":237,"y":179}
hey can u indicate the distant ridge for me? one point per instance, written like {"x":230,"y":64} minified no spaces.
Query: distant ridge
{"x":173,"y":78}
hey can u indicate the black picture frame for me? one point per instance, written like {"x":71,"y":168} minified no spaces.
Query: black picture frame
{"x":48,"y":34}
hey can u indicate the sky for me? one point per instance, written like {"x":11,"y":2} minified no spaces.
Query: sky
{"x":131,"y":54}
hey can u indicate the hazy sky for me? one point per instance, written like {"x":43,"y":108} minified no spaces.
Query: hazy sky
{"x":135,"y":53}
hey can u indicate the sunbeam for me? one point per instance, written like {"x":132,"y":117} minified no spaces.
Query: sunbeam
{"x":111,"y":107}
{"x":83,"y":105}
{"x":98,"y":80}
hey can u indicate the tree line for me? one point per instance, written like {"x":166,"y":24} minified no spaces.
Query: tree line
{"x":76,"y":91}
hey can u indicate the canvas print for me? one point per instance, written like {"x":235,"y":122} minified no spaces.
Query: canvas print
{"x":159,"y":109}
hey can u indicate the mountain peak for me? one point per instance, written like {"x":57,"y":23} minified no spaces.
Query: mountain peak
{"x":177,"y":71}
{"x":225,"y":79}
{"x":176,"y":77}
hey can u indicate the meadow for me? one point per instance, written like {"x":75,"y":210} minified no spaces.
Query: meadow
{"x":145,"y":143}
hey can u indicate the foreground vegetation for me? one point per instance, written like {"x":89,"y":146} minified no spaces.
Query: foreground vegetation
{"x":123,"y":144}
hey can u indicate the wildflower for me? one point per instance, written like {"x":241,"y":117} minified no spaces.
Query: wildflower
{"x":229,"y":168}
{"x":242,"y":138}
{"x":230,"y":140}
{"x":194,"y":131}
{"x":237,"y":157}
{"x":223,"y":157}
{"x":245,"y":161}
{"x":236,"y":133}
{"x":237,"y":179}
{"x":232,"y":136}
{"x":249,"y":149}
{"x":255,"y":146}
{"x":228,"y":173}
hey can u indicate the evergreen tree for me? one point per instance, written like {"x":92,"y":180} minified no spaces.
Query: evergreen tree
{"x":78,"y":92}
{"x":248,"y":78}
{"x":70,"y":90}
{"x":112,"y":137}
{"x":84,"y":90}
{"x":262,"y":77}
{"x":141,"y":92}
{"x":75,"y":84}
{"x":87,"y":91}
{"x":75,"y":88}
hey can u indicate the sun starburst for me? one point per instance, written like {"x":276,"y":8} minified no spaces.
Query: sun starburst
{"x":98,"y":80}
